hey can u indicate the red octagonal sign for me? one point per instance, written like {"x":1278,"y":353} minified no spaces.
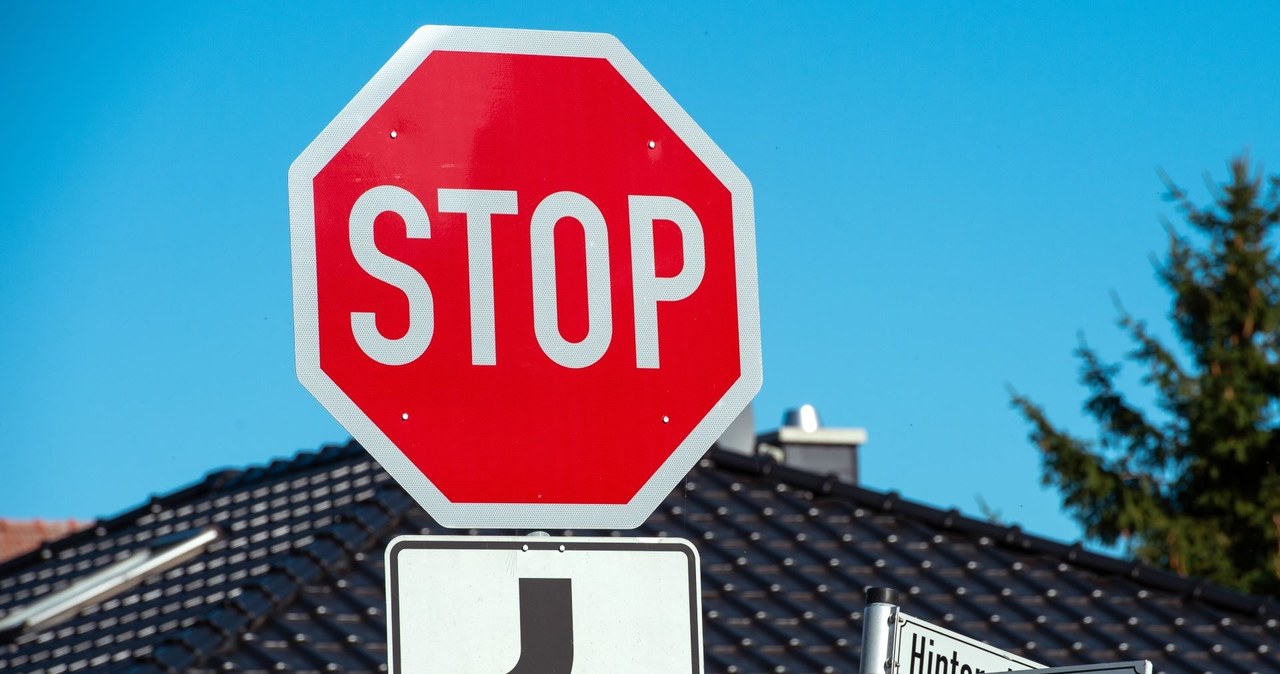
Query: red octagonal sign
{"x":524,"y":279}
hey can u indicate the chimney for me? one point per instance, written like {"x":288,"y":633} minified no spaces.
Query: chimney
{"x":802,"y":442}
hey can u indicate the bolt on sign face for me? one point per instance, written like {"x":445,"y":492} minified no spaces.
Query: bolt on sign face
{"x":524,"y":279}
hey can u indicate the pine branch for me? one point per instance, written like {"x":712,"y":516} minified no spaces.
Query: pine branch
{"x":1122,"y":426}
{"x":1174,"y":386}
{"x":1108,"y":500}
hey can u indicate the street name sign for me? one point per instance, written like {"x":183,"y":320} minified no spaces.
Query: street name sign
{"x":924,"y":648}
{"x":544,"y":605}
{"x":524,"y":279}
{"x":1131,"y":667}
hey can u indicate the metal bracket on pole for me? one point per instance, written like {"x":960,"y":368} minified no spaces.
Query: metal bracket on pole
{"x":879,"y":627}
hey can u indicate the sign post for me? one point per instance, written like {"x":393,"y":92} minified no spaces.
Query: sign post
{"x":524,"y":279}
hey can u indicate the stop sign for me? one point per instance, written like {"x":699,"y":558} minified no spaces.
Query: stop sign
{"x":524,"y":279}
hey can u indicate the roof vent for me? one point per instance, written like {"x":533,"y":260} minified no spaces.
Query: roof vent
{"x":162,"y":554}
{"x":804,"y":417}
{"x":802,"y":442}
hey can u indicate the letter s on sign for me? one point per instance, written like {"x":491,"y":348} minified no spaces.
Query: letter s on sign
{"x":371,"y":204}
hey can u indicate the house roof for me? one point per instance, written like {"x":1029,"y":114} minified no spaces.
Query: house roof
{"x":295,"y":580}
{"x":21,"y":536}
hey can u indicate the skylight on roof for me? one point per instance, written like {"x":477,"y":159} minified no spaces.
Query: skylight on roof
{"x":160,"y":555}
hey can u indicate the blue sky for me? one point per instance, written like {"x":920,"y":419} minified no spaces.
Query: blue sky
{"x":947,"y":195}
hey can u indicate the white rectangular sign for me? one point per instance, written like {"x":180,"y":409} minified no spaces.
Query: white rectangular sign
{"x":520,"y":605}
{"x":923,"y":648}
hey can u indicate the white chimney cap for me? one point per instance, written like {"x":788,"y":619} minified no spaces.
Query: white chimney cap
{"x":804,"y":417}
{"x":802,"y":426}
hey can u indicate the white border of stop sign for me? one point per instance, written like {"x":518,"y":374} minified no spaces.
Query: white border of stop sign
{"x":306,"y":311}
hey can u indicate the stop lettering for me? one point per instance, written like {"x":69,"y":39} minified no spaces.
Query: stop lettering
{"x":480,"y":206}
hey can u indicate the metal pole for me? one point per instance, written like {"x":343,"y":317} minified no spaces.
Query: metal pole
{"x":878,"y":630}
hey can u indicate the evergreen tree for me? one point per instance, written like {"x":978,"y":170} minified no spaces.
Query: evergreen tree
{"x":1194,"y":487}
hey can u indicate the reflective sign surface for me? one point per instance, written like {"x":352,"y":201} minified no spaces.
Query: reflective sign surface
{"x":542,"y":604}
{"x":524,"y":279}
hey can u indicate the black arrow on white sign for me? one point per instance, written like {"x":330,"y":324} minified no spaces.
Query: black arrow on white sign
{"x":546,"y":626}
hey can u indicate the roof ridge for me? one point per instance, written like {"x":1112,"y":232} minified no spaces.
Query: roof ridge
{"x":330,"y":549}
{"x":213,"y":480}
{"x":1008,"y":536}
